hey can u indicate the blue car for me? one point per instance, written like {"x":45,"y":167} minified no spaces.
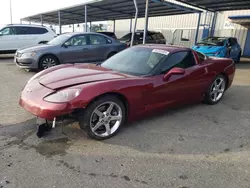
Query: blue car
{"x":224,"y":47}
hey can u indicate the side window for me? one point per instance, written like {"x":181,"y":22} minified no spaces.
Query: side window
{"x":22,"y":31}
{"x":31,"y":30}
{"x":201,"y":56}
{"x":8,"y":31}
{"x":233,"y":41}
{"x":180,"y":59}
{"x":79,"y":40}
{"x":36,"y":30}
{"x":97,"y":40}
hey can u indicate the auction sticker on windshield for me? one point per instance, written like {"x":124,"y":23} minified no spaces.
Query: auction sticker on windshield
{"x":160,"y":51}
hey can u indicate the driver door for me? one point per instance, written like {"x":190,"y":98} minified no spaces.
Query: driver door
{"x":75,"y":50}
{"x":178,"y":89}
{"x":9,"y":39}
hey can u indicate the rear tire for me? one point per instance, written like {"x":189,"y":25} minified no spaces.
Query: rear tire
{"x":48,"y":61}
{"x":216,"y":90}
{"x":103,"y":118}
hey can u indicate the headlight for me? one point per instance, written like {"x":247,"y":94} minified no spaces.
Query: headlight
{"x":29,"y":54}
{"x":63,"y":95}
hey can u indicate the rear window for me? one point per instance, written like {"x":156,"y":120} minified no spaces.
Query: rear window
{"x":157,"y":36}
{"x":110,"y":34}
{"x":138,"y":36}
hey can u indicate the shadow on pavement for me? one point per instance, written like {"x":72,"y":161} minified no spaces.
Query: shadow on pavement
{"x":6,"y":56}
{"x":244,"y":64}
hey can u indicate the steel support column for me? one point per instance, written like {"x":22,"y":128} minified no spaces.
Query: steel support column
{"x":130,"y":26}
{"x":41,"y":16}
{"x":114,"y":26}
{"x":146,"y":23}
{"x":86,"y":19}
{"x":90,"y":26}
{"x":59,"y":22}
{"x":73,"y":28}
{"x":198,"y":28}
{"x":213,"y":24}
{"x":134,"y":29}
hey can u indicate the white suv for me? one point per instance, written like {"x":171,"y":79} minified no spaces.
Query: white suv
{"x":13,"y":37}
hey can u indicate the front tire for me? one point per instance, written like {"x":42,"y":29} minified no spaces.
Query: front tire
{"x":103,"y":118}
{"x":238,"y":59}
{"x":48,"y":61}
{"x":216,"y":90}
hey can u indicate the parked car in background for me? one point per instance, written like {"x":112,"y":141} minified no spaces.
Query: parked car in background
{"x":110,"y":34}
{"x":152,"y":38}
{"x":225,"y":47}
{"x":13,"y":37}
{"x":69,"y":48}
{"x":134,"y":83}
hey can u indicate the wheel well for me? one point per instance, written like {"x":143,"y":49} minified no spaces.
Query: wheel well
{"x":227,"y":79}
{"x":49,"y":55}
{"x":123,"y":99}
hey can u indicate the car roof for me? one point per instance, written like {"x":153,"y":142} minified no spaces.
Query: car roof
{"x":25,"y":25}
{"x":168,"y":48}
{"x":79,"y":33}
{"x":105,"y":32}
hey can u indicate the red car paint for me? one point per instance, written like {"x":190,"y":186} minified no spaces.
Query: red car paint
{"x":143,"y":95}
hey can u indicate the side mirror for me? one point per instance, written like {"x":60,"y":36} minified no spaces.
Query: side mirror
{"x":1,"y":33}
{"x":174,"y":71}
{"x":66,"y":44}
{"x":228,"y":44}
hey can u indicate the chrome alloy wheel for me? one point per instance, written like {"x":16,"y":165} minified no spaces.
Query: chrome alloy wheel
{"x":217,"y":89}
{"x":48,"y":62}
{"x":106,"y":119}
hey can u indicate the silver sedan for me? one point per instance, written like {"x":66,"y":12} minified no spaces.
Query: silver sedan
{"x":69,"y":48}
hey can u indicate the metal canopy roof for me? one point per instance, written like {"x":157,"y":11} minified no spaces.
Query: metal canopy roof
{"x":110,"y":10}
{"x":218,"y":5}
{"x":243,"y":20}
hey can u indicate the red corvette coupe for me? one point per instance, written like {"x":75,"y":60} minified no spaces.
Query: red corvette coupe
{"x":133,"y":83}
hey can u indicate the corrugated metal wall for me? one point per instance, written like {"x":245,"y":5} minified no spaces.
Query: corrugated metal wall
{"x":166,"y":24}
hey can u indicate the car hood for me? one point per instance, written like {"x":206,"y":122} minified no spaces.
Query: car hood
{"x":208,"y":49}
{"x":35,"y":48}
{"x":76,"y":74}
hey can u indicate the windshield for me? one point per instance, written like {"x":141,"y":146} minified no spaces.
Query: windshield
{"x":59,"y":40}
{"x":126,"y":37}
{"x":136,"y":60}
{"x":214,"y":41}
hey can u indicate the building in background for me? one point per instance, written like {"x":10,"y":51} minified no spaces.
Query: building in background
{"x":181,"y":29}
